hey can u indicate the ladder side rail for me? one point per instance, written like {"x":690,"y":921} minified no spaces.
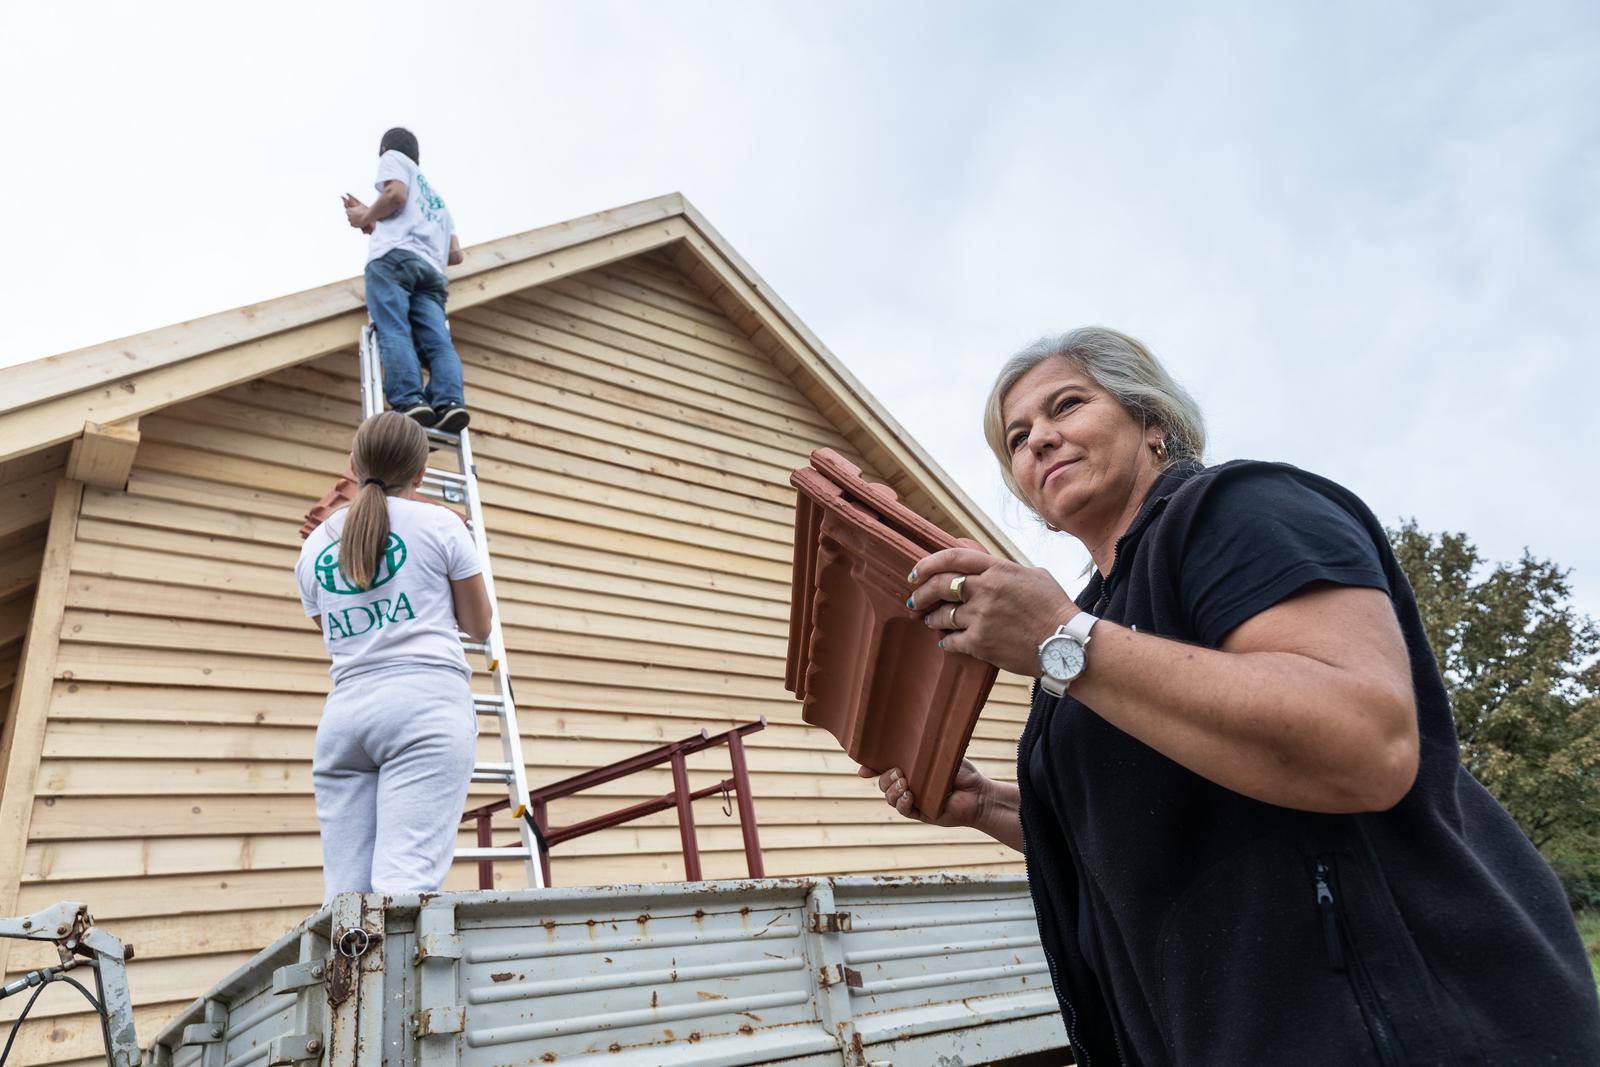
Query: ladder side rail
{"x":371,"y":387}
{"x":510,"y":729}
{"x":437,"y":484}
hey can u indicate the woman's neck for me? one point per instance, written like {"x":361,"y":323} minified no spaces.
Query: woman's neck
{"x":1101,"y":538}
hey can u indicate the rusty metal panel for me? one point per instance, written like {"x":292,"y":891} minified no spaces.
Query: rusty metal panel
{"x":941,"y":963}
{"x":805,"y":972}
{"x":253,"y":1021}
{"x":653,"y":974}
{"x":253,"y":1016}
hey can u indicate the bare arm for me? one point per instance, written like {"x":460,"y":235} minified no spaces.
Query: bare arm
{"x":456,"y":255}
{"x":390,"y":200}
{"x":1307,"y":705}
{"x":474,"y":613}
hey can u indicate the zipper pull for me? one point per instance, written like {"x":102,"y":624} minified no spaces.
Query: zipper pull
{"x":1330,"y":918}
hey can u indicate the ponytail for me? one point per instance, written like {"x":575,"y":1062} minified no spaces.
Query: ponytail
{"x":390,"y":450}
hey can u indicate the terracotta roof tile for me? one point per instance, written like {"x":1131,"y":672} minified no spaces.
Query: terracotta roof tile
{"x":865,"y":668}
{"x":343,"y":491}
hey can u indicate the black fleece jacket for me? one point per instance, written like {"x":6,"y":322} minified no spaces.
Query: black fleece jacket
{"x":1185,"y":923}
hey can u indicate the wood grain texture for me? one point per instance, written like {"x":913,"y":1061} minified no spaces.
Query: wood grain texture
{"x":634,"y":450}
{"x":26,"y":718}
{"x":103,"y":454}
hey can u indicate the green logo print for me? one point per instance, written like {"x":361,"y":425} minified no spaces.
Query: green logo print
{"x":430,"y":202}
{"x":359,"y":618}
{"x":331,"y":578}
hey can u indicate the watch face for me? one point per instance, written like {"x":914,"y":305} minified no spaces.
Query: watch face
{"x":1061,"y":658}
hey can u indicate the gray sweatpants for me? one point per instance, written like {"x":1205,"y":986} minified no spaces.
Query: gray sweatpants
{"x":394,"y":756}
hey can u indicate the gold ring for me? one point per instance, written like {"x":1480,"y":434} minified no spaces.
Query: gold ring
{"x":958,"y":589}
{"x":953,"y":608}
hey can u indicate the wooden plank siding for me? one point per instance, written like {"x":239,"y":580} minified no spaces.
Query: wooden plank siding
{"x":633,"y":453}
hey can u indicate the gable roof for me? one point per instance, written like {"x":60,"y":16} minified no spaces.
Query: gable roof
{"x":48,"y":400}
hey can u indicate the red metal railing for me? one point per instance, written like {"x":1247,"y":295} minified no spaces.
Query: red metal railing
{"x":681,"y":797}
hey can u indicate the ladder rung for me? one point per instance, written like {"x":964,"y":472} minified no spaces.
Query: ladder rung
{"x":492,"y":772}
{"x":442,"y":437}
{"x":458,"y":489}
{"x":507,"y":853}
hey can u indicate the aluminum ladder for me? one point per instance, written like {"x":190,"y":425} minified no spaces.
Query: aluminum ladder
{"x":462,"y":489}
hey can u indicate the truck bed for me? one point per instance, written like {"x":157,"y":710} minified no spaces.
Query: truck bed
{"x":925,"y":970}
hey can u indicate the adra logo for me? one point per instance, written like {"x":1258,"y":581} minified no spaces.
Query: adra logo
{"x":331,"y":578}
{"x":359,"y":618}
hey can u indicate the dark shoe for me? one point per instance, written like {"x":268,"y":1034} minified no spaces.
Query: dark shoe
{"x":452,"y":419}
{"x":422,"y":414}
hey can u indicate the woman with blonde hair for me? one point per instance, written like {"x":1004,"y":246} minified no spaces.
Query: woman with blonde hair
{"x":1247,"y":830}
{"x":390,"y":581}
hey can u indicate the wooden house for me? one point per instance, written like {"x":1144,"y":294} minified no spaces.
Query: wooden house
{"x":639,"y":397}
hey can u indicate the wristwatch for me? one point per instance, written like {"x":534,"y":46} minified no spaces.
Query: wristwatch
{"x":1061,"y":654}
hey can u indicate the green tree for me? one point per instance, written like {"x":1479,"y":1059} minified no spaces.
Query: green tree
{"x":1524,"y":684}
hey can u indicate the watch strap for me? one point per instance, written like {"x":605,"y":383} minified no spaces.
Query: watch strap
{"x":1078,"y":627}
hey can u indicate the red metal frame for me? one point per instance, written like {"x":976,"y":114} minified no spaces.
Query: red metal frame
{"x":681,"y":797}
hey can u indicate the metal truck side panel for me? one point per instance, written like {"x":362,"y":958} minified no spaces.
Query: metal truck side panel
{"x":803,"y":972}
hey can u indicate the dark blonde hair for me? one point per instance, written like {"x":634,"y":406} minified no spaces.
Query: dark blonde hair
{"x":390,"y":449}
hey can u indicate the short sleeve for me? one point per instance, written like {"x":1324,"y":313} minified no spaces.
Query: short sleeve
{"x":307,"y":581}
{"x":1262,"y":535}
{"x":393,"y":167}
{"x":460,"y":554}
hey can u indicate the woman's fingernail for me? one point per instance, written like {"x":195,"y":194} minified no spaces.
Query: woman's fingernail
{"x":912,"y":577}
{"x":908,"y":602}
{"x":941,"y":644}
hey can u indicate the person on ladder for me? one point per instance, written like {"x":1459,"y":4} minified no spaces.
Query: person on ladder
{"x":389,"y":581}
{"x":412,"y":241}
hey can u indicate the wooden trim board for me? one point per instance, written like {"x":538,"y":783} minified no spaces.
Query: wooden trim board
{"x":102,"y":456}
{"x":23,"y":739}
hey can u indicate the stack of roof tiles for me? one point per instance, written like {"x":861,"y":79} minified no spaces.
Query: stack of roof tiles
{"x":342,"y":493}
{"x":864,"y":665}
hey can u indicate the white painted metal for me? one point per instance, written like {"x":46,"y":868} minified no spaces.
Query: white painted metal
{"x":846,"y":972}
{"x":460,"y":487}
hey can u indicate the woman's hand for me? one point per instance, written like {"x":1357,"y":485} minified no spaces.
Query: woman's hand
{"x":966,"y":805}
{"x":1003,"y":612}
{"x":975,"y":800}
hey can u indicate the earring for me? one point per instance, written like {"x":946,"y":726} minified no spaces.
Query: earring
{"x":1161,"y":450}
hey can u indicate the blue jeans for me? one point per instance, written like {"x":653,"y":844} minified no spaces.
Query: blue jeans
{"x":405,"y":298}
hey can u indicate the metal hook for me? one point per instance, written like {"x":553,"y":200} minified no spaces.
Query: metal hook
{"x":354,"y":942}
{"x":727,"y":801}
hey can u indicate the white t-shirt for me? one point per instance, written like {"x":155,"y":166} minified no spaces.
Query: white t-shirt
{"x":423,"y":225}
{"x":408,"y":616}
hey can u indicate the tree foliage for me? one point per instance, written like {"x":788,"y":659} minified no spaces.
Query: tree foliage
{"x":1524,"y":684}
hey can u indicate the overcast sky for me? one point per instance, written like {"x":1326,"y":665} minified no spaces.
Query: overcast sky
{"x":1367,"y":237}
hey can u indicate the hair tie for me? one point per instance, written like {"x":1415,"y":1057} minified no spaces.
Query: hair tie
{"x":375,"y":481}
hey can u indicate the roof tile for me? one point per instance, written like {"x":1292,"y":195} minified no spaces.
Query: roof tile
{"x":865,"y":668}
